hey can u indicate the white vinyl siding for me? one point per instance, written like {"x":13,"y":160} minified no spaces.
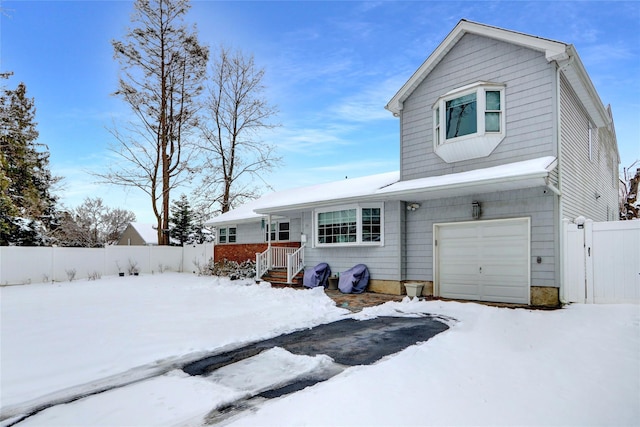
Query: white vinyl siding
{"x":529,"y":83}
{"x":587,"y":163}
{"x":383,"y":261}
{"x":539,"y":204}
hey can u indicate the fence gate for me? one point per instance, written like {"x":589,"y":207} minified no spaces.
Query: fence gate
{"x":601,"y":261}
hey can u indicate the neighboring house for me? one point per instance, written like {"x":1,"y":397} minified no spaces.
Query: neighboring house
{"x":139,"y":234}
{"x":502,"y":135}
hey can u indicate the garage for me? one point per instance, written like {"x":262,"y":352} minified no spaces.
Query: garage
{"x":483,"y":260}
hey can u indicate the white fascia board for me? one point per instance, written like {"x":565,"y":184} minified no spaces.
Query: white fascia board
{"x":312,"y":205}
{"x":231,"y":221}
{"x":395,"y":104}
{"x":583,"y":86}
{"x":553,"y":51}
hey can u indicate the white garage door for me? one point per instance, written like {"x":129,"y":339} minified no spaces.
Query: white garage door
{"x":483,"y":260}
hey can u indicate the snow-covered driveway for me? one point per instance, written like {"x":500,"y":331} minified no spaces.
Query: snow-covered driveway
{"x":575,"y":366}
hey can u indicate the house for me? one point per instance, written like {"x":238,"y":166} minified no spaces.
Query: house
{"x":139,"y":234}
{"x":502,"y":135}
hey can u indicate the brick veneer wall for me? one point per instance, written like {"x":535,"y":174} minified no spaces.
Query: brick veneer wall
{"x":244,"y":251}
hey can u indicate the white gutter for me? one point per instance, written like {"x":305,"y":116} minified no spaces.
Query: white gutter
{"x":454,"y":186}
{"x":552,"y":187}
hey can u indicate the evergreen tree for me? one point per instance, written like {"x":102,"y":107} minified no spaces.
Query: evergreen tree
{"x":182,"y":220}
{"x":27,"y":207}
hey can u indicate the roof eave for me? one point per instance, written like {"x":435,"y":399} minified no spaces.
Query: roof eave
{"x":577,"y":76}
{"x":484,"y":185}
{"x":553,"y":50}
{"x":311,"y":205}
{"x":224,"y":223}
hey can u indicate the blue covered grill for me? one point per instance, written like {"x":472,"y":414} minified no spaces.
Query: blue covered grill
{"x":316,"y":276}
{"x":354,"y":280}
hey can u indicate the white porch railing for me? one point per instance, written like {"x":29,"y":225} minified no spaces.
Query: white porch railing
{"x":280,"y":257}
{"x":262,"y":263}
{"x":295,"y":263}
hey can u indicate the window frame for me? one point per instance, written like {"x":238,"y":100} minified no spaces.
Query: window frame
{"x":359,"y":225}
{"x":277,"y":232}
{"x":473,"y":145}
{"x":228,"y":235}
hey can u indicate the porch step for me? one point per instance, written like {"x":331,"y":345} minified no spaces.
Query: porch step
{"x":278,"y":277}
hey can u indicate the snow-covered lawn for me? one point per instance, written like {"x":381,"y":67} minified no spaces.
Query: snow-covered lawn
{"x":494,"y":366}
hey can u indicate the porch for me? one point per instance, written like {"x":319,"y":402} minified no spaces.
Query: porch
{"x":283,"y":265}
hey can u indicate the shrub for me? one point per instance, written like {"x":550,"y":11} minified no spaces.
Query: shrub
{"x":71,"y":274}
{"x":225,"y":268}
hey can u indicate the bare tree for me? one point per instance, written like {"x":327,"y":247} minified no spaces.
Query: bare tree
{"x":92,"y":224}
{"x":237,"y":113}
{"x":163,"y":68}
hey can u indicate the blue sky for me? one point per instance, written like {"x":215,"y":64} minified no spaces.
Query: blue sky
{"x":331,"y":67}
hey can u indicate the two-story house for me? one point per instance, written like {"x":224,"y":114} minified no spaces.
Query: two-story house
{"x":502,"y":135}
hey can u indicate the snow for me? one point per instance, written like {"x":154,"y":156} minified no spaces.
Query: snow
{"x":495,"y":366}
{"x":147,"y":232}
{"x":305,"y":196}
{"x":534,"y":167}
{"x":382,"y":185}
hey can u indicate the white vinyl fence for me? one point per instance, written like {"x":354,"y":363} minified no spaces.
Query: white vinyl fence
{"x":23,"y":265}
{"x":602,"y":261}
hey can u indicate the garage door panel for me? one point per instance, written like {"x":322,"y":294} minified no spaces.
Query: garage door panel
{"x":512,"y":294}
{"x":459,"y":252}
{"x":457,"y":290}
{"x":457,"y":233}
{"x":503,"y":230}
{"x":484,"y":260}
{"x":502,"y":272}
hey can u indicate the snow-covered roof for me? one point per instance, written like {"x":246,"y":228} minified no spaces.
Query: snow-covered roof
{"x":338,"y":191}
{"x":244,"y":213}
{"x":306,"y":197}
{"x":524,"y":174}
{"x":527,"y":173}
{"x":148,"y":232}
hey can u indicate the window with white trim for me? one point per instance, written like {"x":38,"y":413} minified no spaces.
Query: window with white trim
{"x":349,"y":225}
{"x":227,"y":235}
{"x":469,"y":122}
{"x":279,"y":231}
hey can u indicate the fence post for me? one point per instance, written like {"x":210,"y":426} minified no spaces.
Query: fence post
{"x":588,"y":260}
{"x":53,"y":264}
{"x":257,"y":266}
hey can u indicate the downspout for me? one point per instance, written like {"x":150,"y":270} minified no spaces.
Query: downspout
{"x":552,"y":187}
{"x":402,"y":256}
{"x":561,"y":238}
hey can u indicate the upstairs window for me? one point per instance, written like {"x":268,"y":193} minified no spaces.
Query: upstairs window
{"x":493,"y":111}
{"x":461,"y":117}
{"x":469,"y":122}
